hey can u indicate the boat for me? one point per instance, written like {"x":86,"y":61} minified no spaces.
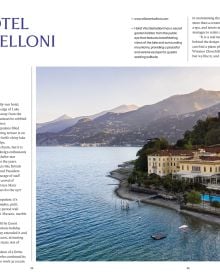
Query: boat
{"x":183,"y":227}
{"x":158,"y":236}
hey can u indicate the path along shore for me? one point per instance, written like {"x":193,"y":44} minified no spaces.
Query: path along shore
{"x":122,"y":191}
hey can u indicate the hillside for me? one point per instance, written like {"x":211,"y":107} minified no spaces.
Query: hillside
{"x":205,"y":132}
{"x":163,"y":119}
{"x":65,"y":121}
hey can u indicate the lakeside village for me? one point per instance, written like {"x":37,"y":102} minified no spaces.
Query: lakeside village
{"x":184,"y":176}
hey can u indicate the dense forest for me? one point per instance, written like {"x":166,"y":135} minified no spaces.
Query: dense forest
{"x":204,"y":133}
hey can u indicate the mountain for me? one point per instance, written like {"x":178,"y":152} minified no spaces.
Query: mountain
{"x":65,"y":121}
{"x":124,"y":109}
{"x":61,"y":118}
{"x":57,"y":125}
{"x":120,"y":109}
{"x":174,"y":105}
{"x":173,"y":127}
{"x":168,"y":118}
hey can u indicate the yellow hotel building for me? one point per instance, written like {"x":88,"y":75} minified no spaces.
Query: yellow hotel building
{"x":194,"y":166}
{"x":166,"y":161}
{"x":203,"y":169}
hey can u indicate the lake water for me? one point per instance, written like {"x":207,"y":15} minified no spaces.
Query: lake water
{"x":79,"y":217}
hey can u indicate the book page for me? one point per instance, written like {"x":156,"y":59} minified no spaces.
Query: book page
{"x":109,"y":139}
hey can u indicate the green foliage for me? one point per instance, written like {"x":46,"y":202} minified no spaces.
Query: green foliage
{"x":168,"y":183}
{"x":131,"y":179}
{"x":215,"y":204}
{"x":213,"y":136}
{"x":185,"y":198}
{"x":137,"y":177}
{"x":154,"y":179}
{"x":149,"y":148}
{"x":141,"y":178}
{"x":188,"y":145}
{"x":180,"y":143}
{"x":196,"y":186}
{"x":175,"y":186}
{"x":193,"y":197}
{"x":141,"y":162}
{"x":204,"y":133}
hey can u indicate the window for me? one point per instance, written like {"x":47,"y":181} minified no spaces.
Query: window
{"x":182,"y":167}
{"x":204,"y":169}
{"x":159,"y":164}
{"x":174,"y":164}
{"x":195,"y":168}
{"x":188,"y":167}
{"x":210,"y":169}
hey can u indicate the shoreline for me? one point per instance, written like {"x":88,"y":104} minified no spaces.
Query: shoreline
{"x":122,"y":191}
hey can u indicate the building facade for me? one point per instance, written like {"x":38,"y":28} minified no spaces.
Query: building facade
{"x":202,"y":165}
{"x":204,"y":169}
{"x":166,"y":161}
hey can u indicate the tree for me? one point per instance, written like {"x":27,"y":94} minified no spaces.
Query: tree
{"x":193,"y":197}
{"x":215,"y":204}
{"x":168,"y":183}
{"x":185,"y":198}
{"x":197,"y":187}
{"x":152,"y":146}
{"x":180,"y":143}
{"x":213,"y":137}
{"x":131,"y":179}
{"x":205,"y":132}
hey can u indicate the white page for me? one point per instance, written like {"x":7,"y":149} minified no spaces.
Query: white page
{"x":84,"y":34}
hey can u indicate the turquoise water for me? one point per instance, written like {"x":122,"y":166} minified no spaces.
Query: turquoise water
{"x":79,"y":217}
{"x":207,"y":197}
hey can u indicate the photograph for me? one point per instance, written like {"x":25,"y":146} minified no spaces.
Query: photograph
{"x":127,"y":164}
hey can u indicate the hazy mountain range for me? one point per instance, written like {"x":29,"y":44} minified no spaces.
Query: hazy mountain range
{"x":168,"y":118}
{"x":65,"y":121}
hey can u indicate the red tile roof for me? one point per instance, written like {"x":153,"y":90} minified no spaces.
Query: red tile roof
{"x":214,"y":149}
{"x":209,"y":158}
{"x":173,"y":153}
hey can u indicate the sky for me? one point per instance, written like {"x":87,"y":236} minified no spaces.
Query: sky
{"x":84,"y":91}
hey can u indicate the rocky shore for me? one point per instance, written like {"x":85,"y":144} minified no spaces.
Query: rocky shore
{"x":123,"y":191}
